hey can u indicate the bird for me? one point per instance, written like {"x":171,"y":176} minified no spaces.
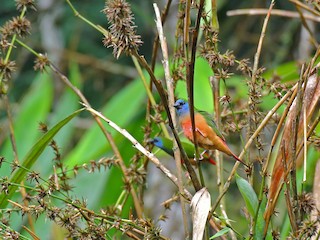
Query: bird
{"x":167,"y":145}
{"x":207,"y":133}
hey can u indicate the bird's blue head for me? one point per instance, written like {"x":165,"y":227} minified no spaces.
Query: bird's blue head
{"x":157,"y":141}
{"x":182,"y":107}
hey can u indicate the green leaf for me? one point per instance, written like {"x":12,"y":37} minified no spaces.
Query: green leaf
{"x":68,"y":102}
{"x":33,"y":108}
{"x":248,"y":194}
{"x":120,"y":109}
{"x":220,"y":233}
{"x":259,"y":226}
{"x":32,"y":157}
{"x":202,"y":89}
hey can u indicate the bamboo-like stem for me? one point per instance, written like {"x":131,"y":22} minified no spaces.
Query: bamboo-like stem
{"x":306,"y":7}
{"x":292,"y":93}
{"x":306,"y":26}
{"x":170,"y":90}
{"x":190,"y":71}
{"x":274,"y":12}
{"x":287,"y":192}
{"x":292,"y":164}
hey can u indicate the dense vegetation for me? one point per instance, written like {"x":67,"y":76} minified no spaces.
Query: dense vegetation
{"x":86,"y":85}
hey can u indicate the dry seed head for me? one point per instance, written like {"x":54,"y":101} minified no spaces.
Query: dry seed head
{"x":122,"y":36}
{"x":7,"y":68}
{"x":29,"y":4}
{"x":20,"y":26}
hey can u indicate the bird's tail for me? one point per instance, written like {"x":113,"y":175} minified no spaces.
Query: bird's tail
{"x":208,"y":158}
{"x":238,"y":159}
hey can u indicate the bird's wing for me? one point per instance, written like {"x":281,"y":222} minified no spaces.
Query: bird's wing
{"x":167,"y":146}
{"x":211,"y":123}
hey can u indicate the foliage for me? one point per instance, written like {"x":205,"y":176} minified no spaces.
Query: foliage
{"x":82,"y":173}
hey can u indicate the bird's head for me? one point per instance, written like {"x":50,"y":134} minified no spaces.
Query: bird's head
{"x":157,"y":141}
{"x":182,"y":107}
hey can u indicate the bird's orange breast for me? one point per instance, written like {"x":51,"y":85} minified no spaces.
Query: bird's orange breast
{"x":206,"y":137}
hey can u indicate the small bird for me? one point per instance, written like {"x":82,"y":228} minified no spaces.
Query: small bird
{"x":167,"y":145}
{"x":207,"y":133}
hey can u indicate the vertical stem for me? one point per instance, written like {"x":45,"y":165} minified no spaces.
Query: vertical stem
{"x":170,"y":88}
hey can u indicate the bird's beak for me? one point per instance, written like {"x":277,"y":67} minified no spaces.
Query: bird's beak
{"x":176,"y":105}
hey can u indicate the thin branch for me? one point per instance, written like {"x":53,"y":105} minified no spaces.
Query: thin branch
{"x":109,"y":137}
{"x":304,"y":6}
{"x":164,"y":100}
{"x":274,"y":12}
{"x":11,"y":129}
{"x":140,"y":148}
{"x":170,"y":89}
{"x":190,"y":70}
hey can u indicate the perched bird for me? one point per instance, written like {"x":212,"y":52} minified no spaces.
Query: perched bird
{"x":207,"y":133}
{"x":167,"y":145}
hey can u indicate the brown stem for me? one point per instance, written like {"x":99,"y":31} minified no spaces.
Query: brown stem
{"x":107,"y":135}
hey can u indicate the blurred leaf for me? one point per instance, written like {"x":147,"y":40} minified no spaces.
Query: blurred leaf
{"x":200,"y":205}
{"x":33,"y":109}
{"x":258,"y":233}
{"x":221,"y":233}
{"x":287,"y":72}
{"x":202,"y":89}
{"x":121,"y":109}
{"x":248,"y":194}
{"x":32,"y":157}
{"x":67,"y":103}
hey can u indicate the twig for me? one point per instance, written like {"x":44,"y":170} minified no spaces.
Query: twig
{"x":306,"y":26}
{"x":305,"y":146}
{"x":190,"y":70}
{"x":156,"y":38}
{"x":300,"y":4}
{"x":11,"y":129}
{"x":139,"y":147}
{"x":263,"y":33}
{"x":295,"y":125}
{"x":293,"y":93}
{"x":149,"y":93}
{"x":252,"y":110}
{"x":164,"y":100}
{"x":107,"y":135}
{"x":170,"y":89}
{"x":287,"y":192}
{"x":274,"y":12}
{"x":31,"y":232}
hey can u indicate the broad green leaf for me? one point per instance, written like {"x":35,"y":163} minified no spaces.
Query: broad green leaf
{"x":202,"y":89}
{"x":221,"y":233}
{"x":287,"y":72}
{"x":32,"y":157}
{"x":259,"y":226}
{"x":248,"y":195}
